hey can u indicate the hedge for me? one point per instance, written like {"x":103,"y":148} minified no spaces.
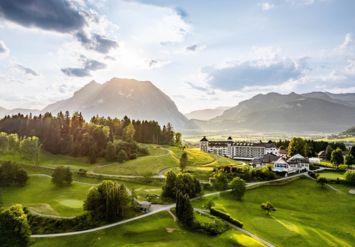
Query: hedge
{"x":47,"y":225}
{"x":225,"y":216}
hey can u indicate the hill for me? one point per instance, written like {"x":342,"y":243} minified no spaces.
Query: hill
{"x":349,"y":132}
{"x":206,"y":114}
{"x":312,"y":112}
{"x":118,"y":98}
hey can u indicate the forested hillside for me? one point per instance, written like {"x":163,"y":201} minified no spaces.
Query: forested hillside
{"x":101,"y":137}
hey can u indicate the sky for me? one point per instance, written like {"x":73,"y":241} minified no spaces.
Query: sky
{"x":203,"y":54}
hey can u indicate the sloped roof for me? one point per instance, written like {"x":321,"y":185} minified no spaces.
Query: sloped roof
{"x":296,"y":157}
{"x":281,"y":161}
{"x":204,"y":139}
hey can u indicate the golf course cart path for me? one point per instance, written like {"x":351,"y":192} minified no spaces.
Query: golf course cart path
{"x":158,"y":210}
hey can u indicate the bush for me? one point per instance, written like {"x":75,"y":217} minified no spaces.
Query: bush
{"x":238,"y":187}
{"x":14,"y":228}
{"x":11,"y":174}
{"x":220,"y":181}
{"x":225,"y":216}
{"x":62,"y":176}
{"x":213,"y":227}
{"x":48,"y":225}
{"x":350,"y":177}
{"x":342,"y":167}
{"x":82,"y":172}
{"x":322,"y":181}
{"x":122,"y":156}
{"x":313,"y":174}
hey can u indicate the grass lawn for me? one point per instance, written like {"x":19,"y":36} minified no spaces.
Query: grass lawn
{"x":156,"y":230}
{"x":306,"y":214}
{"x":42,"y":196}
{"x":332,"y":175}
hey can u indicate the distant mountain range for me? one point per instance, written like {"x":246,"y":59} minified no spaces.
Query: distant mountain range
{"x":316,"y":112}
{"x":349,"y":132}
{"x":312,"y":112}
{"x":117,"y":98}
{"x":206,"y":114}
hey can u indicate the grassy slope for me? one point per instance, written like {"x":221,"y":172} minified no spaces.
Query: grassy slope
{"x":44,"y":197}
{"x":332,"y":175}
{"x":306,"y":214}
{"x":150,"y":231}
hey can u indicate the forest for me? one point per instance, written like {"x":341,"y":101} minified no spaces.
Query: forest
{"x":112,"y":138}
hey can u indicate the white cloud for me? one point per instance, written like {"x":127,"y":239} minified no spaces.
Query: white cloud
{"x":266,"y":6}
{"x":4,"y":51}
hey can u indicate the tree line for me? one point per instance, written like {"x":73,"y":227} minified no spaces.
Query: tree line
{"x":72,"y":135}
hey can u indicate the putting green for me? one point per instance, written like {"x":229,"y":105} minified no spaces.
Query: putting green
{"x":71,"y":203}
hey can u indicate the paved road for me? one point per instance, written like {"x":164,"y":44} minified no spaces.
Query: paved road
{"x":156,"y":210}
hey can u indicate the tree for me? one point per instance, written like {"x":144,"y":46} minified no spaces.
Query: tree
{"x":4,"y":142}
{"x":238,"y":187}
{"x":14,"y":228}
{"x":169,"y":189}
{"x":62,"y":176}
{"x":184,"y":210}
{"x":182,"y":182}
{"x":122,"y":156}
{"x":11,"y":174}
{"x":296,"y":146}
{"x":184,"y":160}
{"x":349,"y":159}
{"x":268,"y":207}
{"x":110,"y":152}
{"x":337,"y":157}
{"x":322,"y":181}
{"x":328,"y":152}
{"x":108,"y":200}
{"x":306,"y":150}
{"x":129,"y":132}
{"x":178,"y":141}
{"x":30,"y":148}
{"x":352,"y":151}
{"x":350,"y":177}
{"x":220,"y":181}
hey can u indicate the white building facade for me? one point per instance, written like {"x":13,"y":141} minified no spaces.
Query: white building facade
{"x":238,"y":150}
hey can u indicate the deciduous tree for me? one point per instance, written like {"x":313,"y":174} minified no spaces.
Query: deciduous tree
{"x":14,"y":228}
{"x":238,"y":187}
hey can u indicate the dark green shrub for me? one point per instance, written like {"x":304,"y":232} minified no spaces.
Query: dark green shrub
{"x":213,"y":227}
{"x":225,"y":216}
{"x":350,"y":177}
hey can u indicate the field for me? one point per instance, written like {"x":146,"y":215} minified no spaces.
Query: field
{"x":306,"y":214}
{"x":157,"y":230}
{"x":43,"y":197}
{"x":332,"y":175}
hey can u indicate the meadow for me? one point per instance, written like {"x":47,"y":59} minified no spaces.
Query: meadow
{"x":156,"y":230}
{"x":306,"y":215}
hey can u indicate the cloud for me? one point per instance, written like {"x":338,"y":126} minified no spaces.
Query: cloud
{"x":182,"y":13}
{"x":61,"y":16}
{"x":88,"y":65}
{"x":4,"y":51}
{"x":200,"y":88}
{"x":254,"y":73}
{"x":192,"y":47}
{"x":265,"y":6}
{"x":96,"y":42}
{"x":348,"y":45}
{"x":26,"y":70}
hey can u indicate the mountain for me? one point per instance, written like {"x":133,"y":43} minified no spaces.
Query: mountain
{"x":273,"y":112}
{"x":120,"y":97}
{"x":4,"y":111}
{"x":206,"y":114}
{"x":349,"y":132}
